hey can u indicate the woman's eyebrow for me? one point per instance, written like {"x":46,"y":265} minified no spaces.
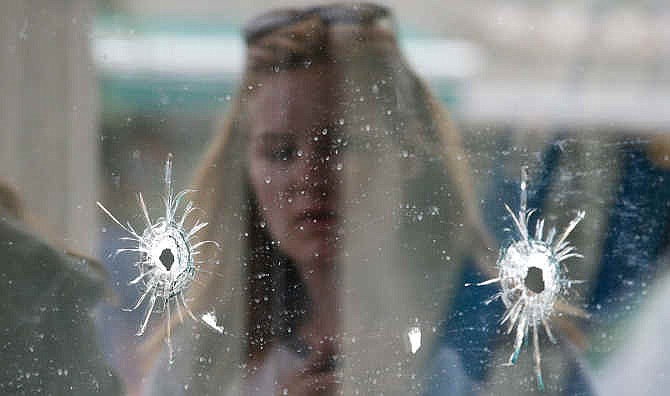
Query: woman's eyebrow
{"x":270,"y":136}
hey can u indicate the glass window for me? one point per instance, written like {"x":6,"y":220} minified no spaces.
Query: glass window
{"x":334,"y":198}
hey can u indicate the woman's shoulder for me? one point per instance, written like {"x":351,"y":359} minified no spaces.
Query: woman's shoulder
{"x":209,"y":363}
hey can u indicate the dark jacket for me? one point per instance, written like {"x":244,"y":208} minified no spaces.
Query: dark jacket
{"x":47,"y":338}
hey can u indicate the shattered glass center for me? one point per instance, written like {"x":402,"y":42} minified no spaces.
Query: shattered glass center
{"x":167,"y":258}
{"x":534,"y":280}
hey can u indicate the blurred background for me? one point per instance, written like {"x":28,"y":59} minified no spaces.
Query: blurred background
{"x":96,"y":93}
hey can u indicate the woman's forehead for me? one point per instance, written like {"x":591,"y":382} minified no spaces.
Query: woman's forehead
{"x":295,"y":100}
{"x":312,"y":80}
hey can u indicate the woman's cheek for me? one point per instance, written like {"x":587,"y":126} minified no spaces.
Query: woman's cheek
{"x":272,"y":191}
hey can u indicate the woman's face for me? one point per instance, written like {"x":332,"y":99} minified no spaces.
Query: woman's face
{"x":294,"y":161}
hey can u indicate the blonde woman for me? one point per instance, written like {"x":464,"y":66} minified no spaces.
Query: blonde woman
{"x":340,"y":195}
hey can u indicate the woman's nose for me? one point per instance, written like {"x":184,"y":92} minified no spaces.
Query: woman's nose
{"x":313,"y":170}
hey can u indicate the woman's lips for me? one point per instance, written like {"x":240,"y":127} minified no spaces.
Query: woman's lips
{"x":317,"y":218}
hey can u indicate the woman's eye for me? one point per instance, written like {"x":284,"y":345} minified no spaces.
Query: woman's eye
{"x":281,"y":153}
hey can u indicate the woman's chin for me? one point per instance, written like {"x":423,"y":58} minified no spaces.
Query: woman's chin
{"x":318,"y":252}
